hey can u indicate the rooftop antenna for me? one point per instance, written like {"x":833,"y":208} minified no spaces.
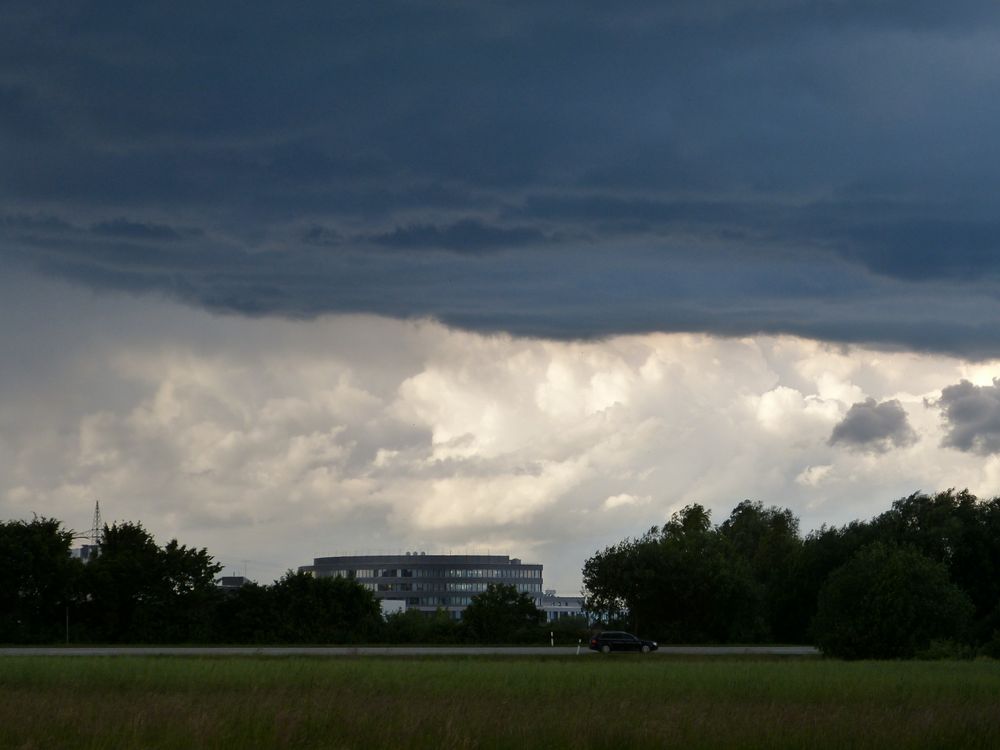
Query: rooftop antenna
{"x":97,"y":526}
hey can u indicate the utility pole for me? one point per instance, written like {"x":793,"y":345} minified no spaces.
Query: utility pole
{"x":97,"y":526}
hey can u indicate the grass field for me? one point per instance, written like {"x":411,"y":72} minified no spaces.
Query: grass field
{"x":482,"y":702}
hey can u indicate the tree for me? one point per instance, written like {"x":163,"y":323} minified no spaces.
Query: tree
{"x":768,"y":540}
{"x":614,"y":578}
{"x":683,"y":582}
{"x":957,"y":530}
{"x":139,"y":592}
{"x":307,"y":609}
{"x":888,"y":602}
{"x":822,"y":552}
{"x":246,"y":615}
{"x":38,"y":580}
{"x":409,"y":626}
{"x":502,"y":615}
{"x":703,"y":591}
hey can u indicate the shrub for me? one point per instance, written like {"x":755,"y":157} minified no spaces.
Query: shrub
{"x":888,"y":602}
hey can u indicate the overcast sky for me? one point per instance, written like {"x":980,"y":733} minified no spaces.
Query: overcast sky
{"x":294,"y":281}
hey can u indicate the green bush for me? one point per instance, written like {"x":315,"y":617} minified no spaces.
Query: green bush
{"x":991,"y":648}
{"x":946,"y":650}
{"x":502,"y":614}
{"x":568,"y":630}
{"x":888,"y":602}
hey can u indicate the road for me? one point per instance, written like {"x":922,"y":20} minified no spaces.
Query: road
{"x":386,"y":651}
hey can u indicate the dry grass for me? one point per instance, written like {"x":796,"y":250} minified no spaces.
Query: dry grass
{"x":585,"y":702}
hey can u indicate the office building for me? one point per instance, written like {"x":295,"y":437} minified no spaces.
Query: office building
{"x":431,"y":582}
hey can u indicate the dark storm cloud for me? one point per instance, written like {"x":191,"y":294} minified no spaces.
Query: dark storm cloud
{"x":467,"y":235}
{"x":972,"y":413}
{"x":875,"y":427}
{"x":929,"y":249}
{"x":135,"y":230}
{"x":828,"y":169}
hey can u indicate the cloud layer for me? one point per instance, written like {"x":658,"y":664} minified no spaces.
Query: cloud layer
{"x":521,"y":277}
{"x":545,"y":169}
{"x":274,"y":441}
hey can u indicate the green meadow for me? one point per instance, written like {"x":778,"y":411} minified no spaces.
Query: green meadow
{"x":482,"y":702}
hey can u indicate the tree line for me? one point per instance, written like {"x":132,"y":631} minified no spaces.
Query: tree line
{"x":134,"y":591}
{"x":920,"y":578}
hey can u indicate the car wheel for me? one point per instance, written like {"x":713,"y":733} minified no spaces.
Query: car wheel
{"x":645,"y":648}
{"x":605,"y":649}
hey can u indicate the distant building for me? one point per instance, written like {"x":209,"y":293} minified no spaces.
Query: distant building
{"x":392,"y":606}
{"x":85,"y":553}
{"x":556,"y":607}
{"x":230,"y":583}
{"x":431,"y":582}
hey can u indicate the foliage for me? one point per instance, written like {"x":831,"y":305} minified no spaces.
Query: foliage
{"x":991,"y":648}
{"x":946,"y":649}
{"x":501,"y":615}
{"x":750,"y":578}
{"x":38,"y":580}
{"x":764,"y":580}
{"x":821,"y":552}
{"x":888,"y":602}
{"x":684,"y":582}
{"x":960,"y":532}
{"x":409,"y":626}
{"x":414,"y":626}
{"x":307,"y":609}
{"x":139,"y":592}
{"x":568,"y":631}
{"x":246,"y":615}
{"x":298,"y":608}
{"x":767,"y":540}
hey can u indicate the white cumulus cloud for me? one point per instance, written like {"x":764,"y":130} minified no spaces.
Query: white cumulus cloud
{"x":274,"y":441}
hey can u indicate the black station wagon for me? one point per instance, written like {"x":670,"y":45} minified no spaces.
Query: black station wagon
{"x":617,"y":640}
